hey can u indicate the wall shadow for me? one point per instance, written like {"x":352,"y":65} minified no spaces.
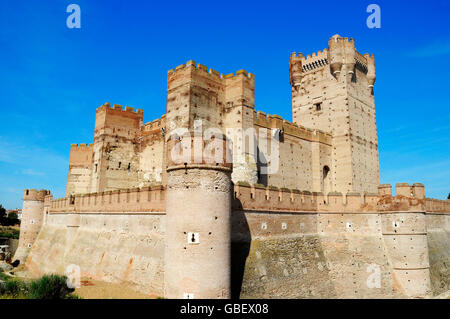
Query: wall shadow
{"x":240,"y":247}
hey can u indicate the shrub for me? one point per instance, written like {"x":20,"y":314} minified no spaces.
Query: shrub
{"x":50,"y":287}
{"x":14,"y":289}
{"x":47,"y":287}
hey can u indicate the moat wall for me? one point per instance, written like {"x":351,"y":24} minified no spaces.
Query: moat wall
{"x":274,"y":254}
{"x":316,"y":256}
{"x":284,"y":243}
{"x":126,"y":248}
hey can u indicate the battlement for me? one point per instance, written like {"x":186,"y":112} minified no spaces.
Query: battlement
{"x":193,"y":66}
{"x":338,"y":38}
{"x":116,"y":107}
{"x":81,"y":155}
{"x":341,"y":50}
{"x":81,"y":146}
{"x":290,"y":128}
{"x":261,"y":198}
{"x":117,"y":120}
{"x":314,"y":61}
{"x":416,"y":190}
{"x":437,"y":205}
{"x":48,"y":200}
{"x":155,"y":124}
{"x":34,"y":194}
{"x":271,"y":198}
{"x":145,"y":199}
{"x":407,"y":198}
{"x":361,"y":61}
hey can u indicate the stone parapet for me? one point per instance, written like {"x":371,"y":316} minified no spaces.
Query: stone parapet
{"x":145,"y":199}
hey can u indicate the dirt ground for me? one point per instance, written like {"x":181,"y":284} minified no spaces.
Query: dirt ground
{"x":93,"y":289}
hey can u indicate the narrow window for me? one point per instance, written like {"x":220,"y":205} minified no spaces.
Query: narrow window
{"x":326,"y":179}
{"x":96,"y":166}
{"x":120,"y":164}
{"x":318,"y":106}
{"x":129,"y":166}
{"x":326,"y":170}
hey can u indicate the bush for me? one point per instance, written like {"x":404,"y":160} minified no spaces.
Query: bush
{"x":50,"y":287}
{"x":47,"y":287}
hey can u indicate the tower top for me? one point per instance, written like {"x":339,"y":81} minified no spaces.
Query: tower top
{"x":34,"y":194}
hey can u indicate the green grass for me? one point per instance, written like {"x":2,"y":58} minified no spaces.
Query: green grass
{"x":47,"y":287}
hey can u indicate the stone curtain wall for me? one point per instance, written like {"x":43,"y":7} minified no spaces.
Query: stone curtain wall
{"x":438,"y":237}
{"x":115,"y":236}
{"x":297,"y":255}
{"x":284,"y":243}
{"x":332,"y":255}
{"x":293,"y":244}
{"x":121,"y":248}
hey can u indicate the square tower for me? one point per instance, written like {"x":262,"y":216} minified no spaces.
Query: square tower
{"x":332,"y":90}
{"x":196,"y":94}
{"x":115,"y":157}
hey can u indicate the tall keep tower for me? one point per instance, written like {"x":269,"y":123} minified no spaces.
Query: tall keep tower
{"x":332,"y":90}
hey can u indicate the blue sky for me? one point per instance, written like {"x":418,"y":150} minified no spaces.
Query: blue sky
{"x":52,"y":78}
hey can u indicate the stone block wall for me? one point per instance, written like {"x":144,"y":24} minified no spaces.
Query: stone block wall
{"x":121,"y":248}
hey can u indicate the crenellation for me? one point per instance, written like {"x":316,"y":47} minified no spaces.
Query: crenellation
{"x":192,"y":65}
{"x":145,"y":199}
{"x":315,"y":61}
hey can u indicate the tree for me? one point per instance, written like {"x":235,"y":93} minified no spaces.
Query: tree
{"x":13,"y":218}
{"x":2,"y":212}
{"x":3,"y":219}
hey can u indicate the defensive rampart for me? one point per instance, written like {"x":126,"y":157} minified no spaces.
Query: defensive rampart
{"x":284,"y":243}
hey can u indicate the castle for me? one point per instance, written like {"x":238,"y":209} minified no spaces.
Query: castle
{"x":218,"y":200}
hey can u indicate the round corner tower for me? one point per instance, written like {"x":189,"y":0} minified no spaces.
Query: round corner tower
{"x":31,"y":222}
{"x":198,"y":256}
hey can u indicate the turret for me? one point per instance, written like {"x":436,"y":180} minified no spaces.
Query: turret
{"x":404,"y":228}
{"x":295,"y":69}
{"x":371,"y":74}
{"x":335,"y":55}
{"x":350,"y":54}
{"x":341,"y":51}
{"x":31,"y":223}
